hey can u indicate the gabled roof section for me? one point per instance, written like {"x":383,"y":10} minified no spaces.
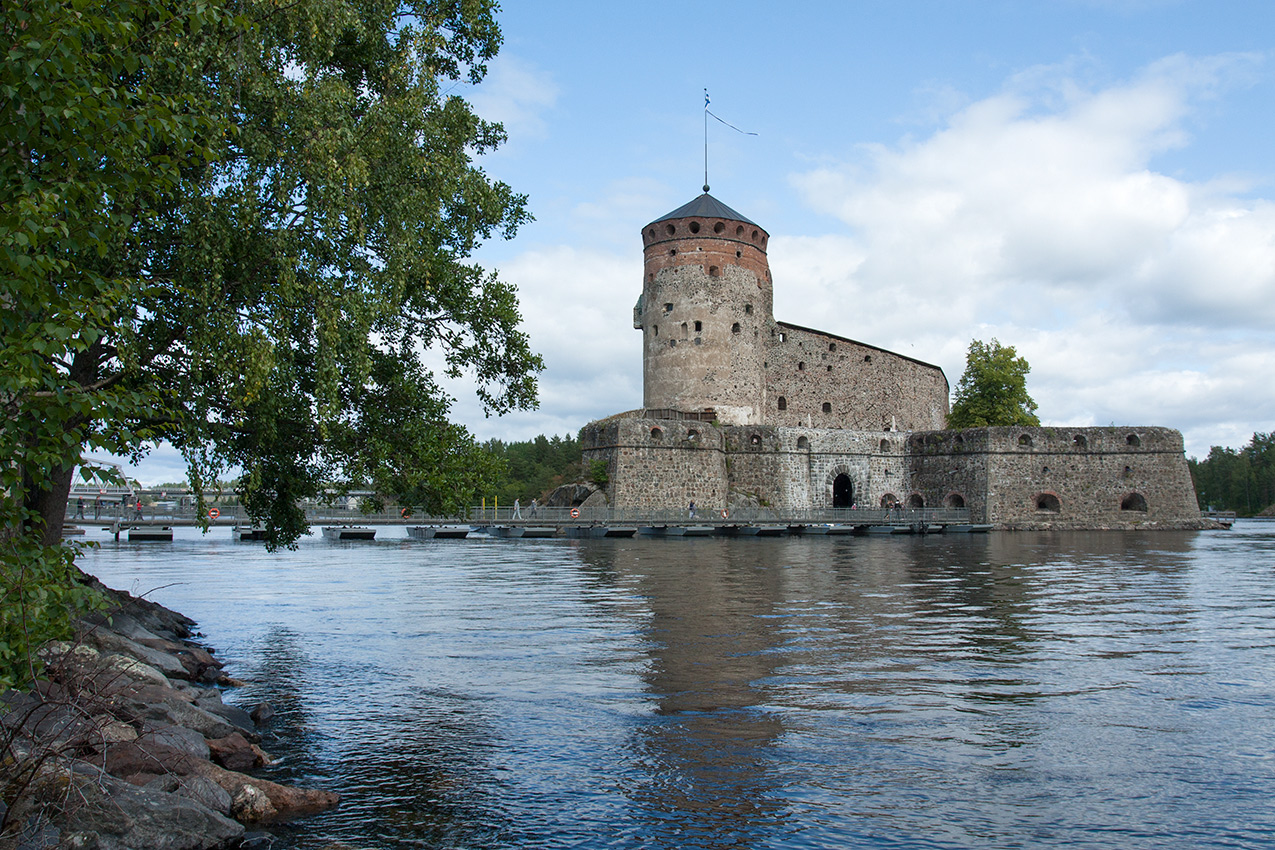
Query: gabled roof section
{"x":706,"y":206}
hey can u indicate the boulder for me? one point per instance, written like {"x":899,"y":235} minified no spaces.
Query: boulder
{"x":235,"y":752}
{"x":570,"y":495}
{"x":261,"y":713}
{"x":101,"y":811}
{"x":109,"y":642}
{"x":178,"y":713}
{"x":188,"y":741}
{"x":203,"y":790}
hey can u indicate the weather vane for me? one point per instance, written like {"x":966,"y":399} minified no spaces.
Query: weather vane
{"x":707,"y":113}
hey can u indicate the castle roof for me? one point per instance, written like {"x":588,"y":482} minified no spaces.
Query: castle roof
{"x":706,"y":206}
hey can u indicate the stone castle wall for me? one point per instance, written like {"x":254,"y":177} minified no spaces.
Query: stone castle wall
{"x":1009,"y":477}
{"x":820,"y":380}
{"x":1060,"y":477}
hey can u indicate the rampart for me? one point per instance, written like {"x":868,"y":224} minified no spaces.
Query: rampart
{"x":1008,"y":477}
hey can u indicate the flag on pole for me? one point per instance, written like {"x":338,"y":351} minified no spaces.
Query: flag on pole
{"x":727,"y":123}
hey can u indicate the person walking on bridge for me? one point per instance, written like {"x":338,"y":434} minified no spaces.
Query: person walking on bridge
{"x":517,"y":510}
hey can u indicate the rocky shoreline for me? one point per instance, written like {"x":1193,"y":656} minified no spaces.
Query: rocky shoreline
{"x":125,"y":742}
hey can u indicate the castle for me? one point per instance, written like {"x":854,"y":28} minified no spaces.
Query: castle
{"x":742,"y":410}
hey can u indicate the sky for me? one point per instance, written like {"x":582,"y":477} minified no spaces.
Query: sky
{"x":1090,"y":182}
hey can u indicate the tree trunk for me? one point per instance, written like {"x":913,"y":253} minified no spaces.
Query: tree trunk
{"x":51,"y":504}
{"x":47,"y":495}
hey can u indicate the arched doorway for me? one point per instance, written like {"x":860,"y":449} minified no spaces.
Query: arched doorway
{"x":842,"y":491}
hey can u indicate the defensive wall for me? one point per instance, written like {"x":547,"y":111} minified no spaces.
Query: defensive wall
{"x":821,"y":380}
{"x":1008,"y":477}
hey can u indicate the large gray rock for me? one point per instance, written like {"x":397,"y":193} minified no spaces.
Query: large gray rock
{"x":165,"y":662}
{"x":571,"y":496}
{"x":106,"y":813}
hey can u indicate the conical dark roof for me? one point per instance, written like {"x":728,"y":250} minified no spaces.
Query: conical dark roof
{"x":706,"y":206}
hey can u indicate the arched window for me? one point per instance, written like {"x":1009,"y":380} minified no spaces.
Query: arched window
{"x":1025,"y":440}
{"x":1080,"y":441}
{"x":884,"y":446}
{"x":889,"y":500}
{"x":827,"y":407}
{"x":1134,"y":502}
{"x":1048,"y":503}
{"x":1132,"y":440}
{"x":783,"y":403}
{"x":916,"y":501}
{"x":954,"y":500}
{"x":803,"y":442}
{"x":734,"y":328}
{"x":801,"y":366}
{"x":692,"y":435}
{"x":657,"y":434}
{"x":755,"y":441}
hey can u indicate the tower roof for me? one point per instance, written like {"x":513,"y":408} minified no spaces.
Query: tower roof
{"x":706,"y":206}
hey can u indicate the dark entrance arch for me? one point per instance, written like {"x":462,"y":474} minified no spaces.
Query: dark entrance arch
{"x":842,"y":491}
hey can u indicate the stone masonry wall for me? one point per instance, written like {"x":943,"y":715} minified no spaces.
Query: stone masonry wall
{"x":702,"y":342}
{"x":820,"y":380}
{"x":1061,"y":477}
{"x":1009,"y":477}
{"x":658,"y":464}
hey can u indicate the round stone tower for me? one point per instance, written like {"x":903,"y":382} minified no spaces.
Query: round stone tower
{"x":705,"y":308}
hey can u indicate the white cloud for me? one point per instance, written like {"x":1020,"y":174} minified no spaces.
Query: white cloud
{"x":517,"y":94}
{"x":575,"y":305}
{"x":1037,"y":216}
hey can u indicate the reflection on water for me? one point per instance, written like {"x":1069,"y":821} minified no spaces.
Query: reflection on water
{"x":1008,"y":690}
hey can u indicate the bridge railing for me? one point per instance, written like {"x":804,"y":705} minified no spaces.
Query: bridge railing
{"x":234,"y":513}
{"x":584,"y":515}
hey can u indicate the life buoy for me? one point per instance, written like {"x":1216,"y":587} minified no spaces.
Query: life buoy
{"x":405,"y":513}
{"x":725,"y":513}
{"x":213,"y":513}
{"x":575,"y":513}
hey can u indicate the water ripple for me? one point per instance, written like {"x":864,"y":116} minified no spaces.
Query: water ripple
{"x":1011,"y":690}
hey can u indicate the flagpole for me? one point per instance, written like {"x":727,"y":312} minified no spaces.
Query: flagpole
{"x":705,"y":141}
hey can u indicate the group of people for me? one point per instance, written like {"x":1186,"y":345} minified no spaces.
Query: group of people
{"x":126,"y":504}
{"x":518,"y":509}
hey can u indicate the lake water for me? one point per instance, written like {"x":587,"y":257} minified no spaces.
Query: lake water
{"x":1079,"y":690}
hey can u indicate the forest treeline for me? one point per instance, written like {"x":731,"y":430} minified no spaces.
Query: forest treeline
{"x":1240,"y":480}
{"x":532,"y":468}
